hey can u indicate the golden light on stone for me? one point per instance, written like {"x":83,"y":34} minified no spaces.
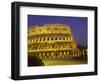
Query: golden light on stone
{"x":52,"y":42}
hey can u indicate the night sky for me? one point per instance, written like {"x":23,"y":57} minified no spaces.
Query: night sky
{"x":78,"y":25}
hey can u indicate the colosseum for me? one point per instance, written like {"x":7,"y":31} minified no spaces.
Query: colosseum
{"x":51,"y":42}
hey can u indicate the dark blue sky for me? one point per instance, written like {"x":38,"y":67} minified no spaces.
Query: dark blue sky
{"x":78,"y":25}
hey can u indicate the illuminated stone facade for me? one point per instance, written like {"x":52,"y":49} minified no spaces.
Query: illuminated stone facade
{"x":52,"y":41}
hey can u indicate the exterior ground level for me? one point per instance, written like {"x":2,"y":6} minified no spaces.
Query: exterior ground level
{"x":64,"y":62}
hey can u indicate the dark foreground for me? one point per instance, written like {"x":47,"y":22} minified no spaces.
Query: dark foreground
{"x":53,"y":62}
